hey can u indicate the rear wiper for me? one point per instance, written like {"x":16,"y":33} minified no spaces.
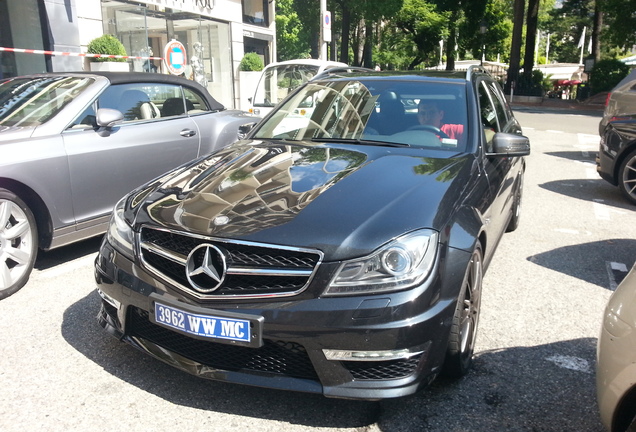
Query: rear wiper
{"x":360,"y":141}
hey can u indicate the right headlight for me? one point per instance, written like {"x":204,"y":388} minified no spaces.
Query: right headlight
{"x":120,"y":233}
{"x":400,"y":264}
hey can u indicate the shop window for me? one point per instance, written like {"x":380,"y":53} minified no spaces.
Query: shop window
{"x":255,"y":12}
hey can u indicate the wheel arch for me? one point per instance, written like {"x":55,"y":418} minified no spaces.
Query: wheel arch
{"x":629,"y":149}
{"x":625,"y":411}
{"x":38,"y":208}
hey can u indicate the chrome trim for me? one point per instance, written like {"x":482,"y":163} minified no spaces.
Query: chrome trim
{"x":237,"y":270}
{"x":165,"y":253}
{"x":247,"y":271}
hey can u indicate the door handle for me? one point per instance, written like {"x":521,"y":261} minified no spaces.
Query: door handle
{"x":187,"y":133}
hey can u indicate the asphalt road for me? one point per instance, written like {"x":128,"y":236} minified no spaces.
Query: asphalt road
{"x":543,"y":298}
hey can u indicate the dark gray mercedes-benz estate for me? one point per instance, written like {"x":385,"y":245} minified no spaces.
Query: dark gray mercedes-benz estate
{"x":340,"y":249}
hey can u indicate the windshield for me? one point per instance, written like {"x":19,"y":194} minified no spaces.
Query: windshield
{"x":400,"y":112}
{"x":33,"y":101}
{"x":279,"y":81}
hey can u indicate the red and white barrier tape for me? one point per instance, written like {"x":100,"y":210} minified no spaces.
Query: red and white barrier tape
{"x":33,"y":51}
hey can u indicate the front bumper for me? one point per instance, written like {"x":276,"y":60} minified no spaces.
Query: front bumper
{"x":616,"y":371}
{"x":295,"y":334}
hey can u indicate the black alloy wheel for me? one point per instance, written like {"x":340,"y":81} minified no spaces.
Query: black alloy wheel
{"x":627,"y":177}
{"x":461,"y":344}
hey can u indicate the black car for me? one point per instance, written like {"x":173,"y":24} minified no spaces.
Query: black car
{"x":340,"y":249}
{"x":616,"y":160}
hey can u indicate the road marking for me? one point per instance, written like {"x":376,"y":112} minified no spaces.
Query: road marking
{"x":68,"y":267}
{"x":592,"y":174}
{"x":570,"y":362}
{"x":588,"y":139}
{"x":555,"y":131}
{"x":572,"y":231}
{"x":612,"y":268}
{"x":601,"y":210}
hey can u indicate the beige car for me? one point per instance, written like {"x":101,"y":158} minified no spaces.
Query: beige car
{"x":616,"y":359}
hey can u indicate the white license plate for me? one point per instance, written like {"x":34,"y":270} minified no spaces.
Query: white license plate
{"x":207,"y":326}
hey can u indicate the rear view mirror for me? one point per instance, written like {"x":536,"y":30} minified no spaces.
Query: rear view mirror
{"x":244,"y":129}
{"x":107,"y":117}
{"x":505,"y":144}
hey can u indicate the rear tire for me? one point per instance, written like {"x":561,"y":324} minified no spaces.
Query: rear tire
{"x":18,"y":243}
{"x":516,"y":206}
{"x":627,"y":177}
{"x":461,"y":344}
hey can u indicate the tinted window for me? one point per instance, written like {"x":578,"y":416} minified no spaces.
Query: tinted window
{"x":380,"y":111}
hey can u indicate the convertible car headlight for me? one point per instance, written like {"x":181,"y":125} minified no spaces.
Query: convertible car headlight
{"x":119,"y":233}
{"x":402,"y":263}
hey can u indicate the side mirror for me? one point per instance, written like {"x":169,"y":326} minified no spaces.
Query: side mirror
{"x":508,"y":145}
{"x":249,"y":99}
{"x":244,"y":129}
{"x":107,"y":117}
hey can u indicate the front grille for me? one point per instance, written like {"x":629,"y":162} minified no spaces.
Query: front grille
{"x":252,"y":269}
{"x":383,"y":370}
{"x":276,"y":357}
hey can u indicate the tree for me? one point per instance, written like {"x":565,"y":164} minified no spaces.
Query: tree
{"x":620,"y":17}
{"x":289,"y":40}
{"x":532,"y":22}
{"x":515,"y":48}
{"x":363,"y":14}
{"x":423,"y":26}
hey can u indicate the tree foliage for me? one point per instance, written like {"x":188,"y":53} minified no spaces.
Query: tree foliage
{"x":291,"y":44}
{"x":406,"y":34}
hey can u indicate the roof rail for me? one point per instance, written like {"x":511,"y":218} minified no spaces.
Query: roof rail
{"x":341,"y":69}
{"x":473,"y":69}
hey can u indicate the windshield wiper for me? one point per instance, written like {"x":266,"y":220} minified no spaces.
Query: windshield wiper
{"x":361,"y":142}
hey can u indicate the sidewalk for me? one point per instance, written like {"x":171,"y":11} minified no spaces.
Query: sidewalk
{"x":595,"y":103}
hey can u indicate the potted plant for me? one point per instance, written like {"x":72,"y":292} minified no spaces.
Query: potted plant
{"x":249,"y":73}
{"x":110,"y":45}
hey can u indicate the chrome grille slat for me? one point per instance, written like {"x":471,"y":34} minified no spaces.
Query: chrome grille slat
{"x":253,"y":269}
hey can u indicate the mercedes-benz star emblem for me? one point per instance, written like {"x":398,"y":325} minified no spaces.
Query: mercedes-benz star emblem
{"x":205,"y":268}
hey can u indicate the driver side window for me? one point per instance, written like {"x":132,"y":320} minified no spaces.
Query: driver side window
{"x":488,"y":115}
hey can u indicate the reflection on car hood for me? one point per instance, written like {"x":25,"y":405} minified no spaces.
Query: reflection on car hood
{"x":10,"y":133}
{"x":343,"y":200}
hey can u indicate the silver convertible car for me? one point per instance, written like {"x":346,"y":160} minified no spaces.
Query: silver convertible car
{"x":71,"y":145}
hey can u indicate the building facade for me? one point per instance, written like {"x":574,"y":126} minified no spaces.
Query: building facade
{"x":215,"y":33}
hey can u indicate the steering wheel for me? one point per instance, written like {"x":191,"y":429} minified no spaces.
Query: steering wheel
{"x":437,"y":131}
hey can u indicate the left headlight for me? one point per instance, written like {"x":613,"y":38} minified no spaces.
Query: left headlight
{"x":119,"y":233}
{"x":400,"y":264}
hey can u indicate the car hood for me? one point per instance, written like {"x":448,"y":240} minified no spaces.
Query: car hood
{"x":345,"y":200}
{"x":10,"y":133}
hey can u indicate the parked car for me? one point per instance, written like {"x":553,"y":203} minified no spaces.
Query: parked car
{"x":616,"y":159}
{"x":280,"y":79}
{"x":328,"y":253}
{"x":72,"y":144}
{"x":616,"y":359}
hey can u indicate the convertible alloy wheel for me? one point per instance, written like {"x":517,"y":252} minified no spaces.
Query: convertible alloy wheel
{"x":627,"y":177}
{"x":18,"y":243}
{"x":461,"y":344}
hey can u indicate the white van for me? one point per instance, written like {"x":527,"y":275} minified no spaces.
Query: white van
{"x":280,"y":79}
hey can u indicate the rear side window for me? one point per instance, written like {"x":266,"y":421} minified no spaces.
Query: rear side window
{"x":145,"y":102}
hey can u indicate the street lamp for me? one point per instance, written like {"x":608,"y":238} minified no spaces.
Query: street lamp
{"x":483,"y":28}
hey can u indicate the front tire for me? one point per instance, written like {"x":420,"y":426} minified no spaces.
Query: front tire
{"x":516,"y":206}
{"x":627,"y":177}
{"x":461,"y":344}
{"x":18,"y":243}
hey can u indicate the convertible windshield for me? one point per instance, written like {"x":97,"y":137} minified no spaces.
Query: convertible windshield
{"x":413,"y":113}
{"x":33,"y":101}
